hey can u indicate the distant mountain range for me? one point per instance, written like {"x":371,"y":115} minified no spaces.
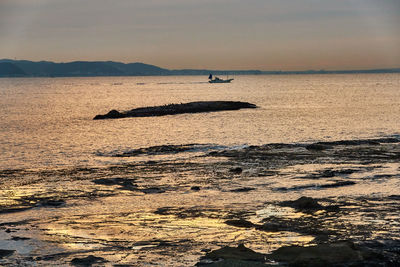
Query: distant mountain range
{"x":25,"y":68}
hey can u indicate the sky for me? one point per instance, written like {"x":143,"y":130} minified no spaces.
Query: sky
{"x":212,"y":34}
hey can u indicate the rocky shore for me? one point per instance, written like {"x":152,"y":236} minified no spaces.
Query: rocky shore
{"x":173,"y":109}
{"x":316,"y":204}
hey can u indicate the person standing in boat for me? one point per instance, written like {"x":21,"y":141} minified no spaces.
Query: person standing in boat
{"x":210,"y":76}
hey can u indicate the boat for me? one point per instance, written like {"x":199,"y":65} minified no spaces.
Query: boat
{"x":218,"y":80}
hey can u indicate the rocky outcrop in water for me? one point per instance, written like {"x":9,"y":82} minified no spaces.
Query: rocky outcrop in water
{"x":235,"y":253}
{"x":173,"y":109}
{"x":335,"y":254}
{"x":87,"y":261}
{"x":212,"y":201}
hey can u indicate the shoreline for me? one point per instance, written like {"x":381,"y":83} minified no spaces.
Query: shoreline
{"x":179,"y":211}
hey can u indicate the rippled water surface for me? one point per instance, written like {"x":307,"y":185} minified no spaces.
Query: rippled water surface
{"x":48,"y":122}
{"x":163,"y":191}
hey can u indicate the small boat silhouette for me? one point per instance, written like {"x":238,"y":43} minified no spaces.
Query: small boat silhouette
{"x":218,"y":80}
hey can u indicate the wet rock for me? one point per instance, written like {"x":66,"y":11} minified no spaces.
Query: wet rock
{"x":87,"y":261}
{"x":195,"y":188}
{"x":238,"y":253}
{"x":240,"y":223}
{"x":345,"y":171}
{"x":29,"y":202}
{"x":18,"y":238}
{"x":317,"y":147}
{"x":394,"y":197}
{"x":124,"y":183}
{"x":153,"y":190}
{"x":105,"y":181}
{"x":380,"y":251}
{"x":303,"y":203}
{"x":158,"y":150}
{"x":173,"y":109}
{"x":113,"y":114}
{"x":243,"y":189}
{"x":337,"y":184}
{"x":271,"y":226}
{"x":328,"y":173}
{"x":317,"y":186}
{"x":51,"y":202}
{"x":236,"y":170}
{"x":163,"y":243}
{"x":14,"y":209}
{"x":233,"y":263}
{"x":356,"y":142}
{"x":303,"y":225}
{"x":331,"y":173}
{"x":15,"y":223}
{"x":332,"y":208}
{"x":383,"y":176}
{"x":323,"y":254}
{"x":363,"y":150}
{"x":6,"y":253}
{"x":164,"y":211}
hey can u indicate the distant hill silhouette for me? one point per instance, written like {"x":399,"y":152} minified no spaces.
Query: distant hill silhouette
{"x":26,"y":68}
{"x":83,"y":68}
{"x":8,"y":69}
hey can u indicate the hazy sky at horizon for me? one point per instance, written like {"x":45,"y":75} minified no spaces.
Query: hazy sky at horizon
{"x":220,"y":34}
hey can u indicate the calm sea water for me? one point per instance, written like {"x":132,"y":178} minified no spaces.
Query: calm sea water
{"x":147,"y":214}
{"x":47,"y":122}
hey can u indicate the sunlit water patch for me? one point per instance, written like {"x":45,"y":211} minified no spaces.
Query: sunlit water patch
{"x":167,"y":190}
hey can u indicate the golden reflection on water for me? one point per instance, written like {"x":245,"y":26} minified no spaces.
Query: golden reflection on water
{"x":48,"y":122}
{"x":272,"y":210}
{"x":144,"y":230}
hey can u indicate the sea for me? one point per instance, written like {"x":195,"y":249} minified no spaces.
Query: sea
{"x":48,"y":122}
{"x":165,"y":191}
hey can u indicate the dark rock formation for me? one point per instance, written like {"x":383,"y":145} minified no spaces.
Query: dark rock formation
{"x":51,"y":202}
{"x":317,"y":186}
{"x":303,"y":225}
{"x":158,"y":150}
{"x":87,"y":261}
{"x":18,"y":238}
{"x":240,"y":223}
{"x":356,"y":142}
{"x":113,"y":114}
{"x":124,"y":183}
{"x":173,"y":109}
{"x":341,"y":253}
{"x":243,"y":189}
{"x":236,"y":170}
{"x":6,"y":252}
{"x":317,"y":147}
{"x":152,"y":190}
{"x":195,"y":188}
{"x":239,"y":253}
{"x":320,"y":255}
{"x":234,"y":263}
{"x":303,"y":203}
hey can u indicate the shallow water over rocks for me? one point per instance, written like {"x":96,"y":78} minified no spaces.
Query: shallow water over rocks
{"x":148,"y":212}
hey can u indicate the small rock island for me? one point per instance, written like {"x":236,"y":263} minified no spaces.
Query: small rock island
{"x":173,"y":109}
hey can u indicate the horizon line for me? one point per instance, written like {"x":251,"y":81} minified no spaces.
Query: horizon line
{"x":397,"y":68}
